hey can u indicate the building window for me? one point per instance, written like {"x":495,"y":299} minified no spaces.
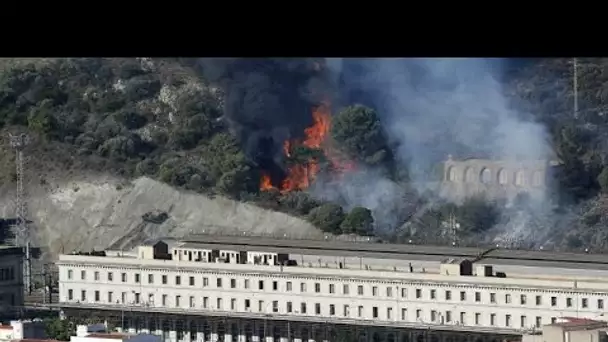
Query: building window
{"x":569,"y":302}
{"x":477,"y":318}
{"x":164,"y":279}
{"x":360,"y":290}
{"x":538,"y":300}
{"x":508,"y":320}
{"x":332,"y":310}
{"x":110,"y":276}
{"x":403,"y":293}
{"x":70,"y":274}
{"x":123,"y":277}
{"x":289,"y":307}
{"x":451,"y":174}
{"x":96,"y":275}
{"x":492,"y":297}
{"x":261,"y":305}
{"x":332,"y":288}
{"x":584,"y":303}
{"x":205,"y":281}
{"x":303,"y":308}
{"x":83,"y":275}
{"x":178,"y":280}
{"x":302,"y":287}
{"x":433,"y":315}
{"x":492,"y":319}
{"x":520,"y":178}
{"x":403,"y":314}
{"x":433,"y":294}
{"x":317,"y":287}
{"x":206,"y":302}
{"x":260,"y":285}
{"x":275,"y":306}
{"x":70,"y":294}
{"x":463,"y":317}
{"x":463,"y":296}
{"x":360,"y":311}
{"x":486,"y":176}
{"x":478,"y":296}
{"x":346,"y":311}
{"x":275,"y":285}
{"x":317,"y":309}
{"x":539,"y":321}
{"x":522,"y":322}
{"x":553,"y":301}
{"x":123,"y":297}
{"x":97,"y":296}
{"x":600,"y":303}
{"x":137,"y":278}
{"x":507,"y":298}
{"x":233,"y":283}
{"x":389,"y":313}
{"x":83,"y":295}
{"x":191,"y":281}
{"x":523,"y":299}
{"x":389,"y":291}
{"x":448,"y":295}
{"x":345,"y":289}
{"x":374,"y":291}
{"x":110,"y":296}
{"x":374,"y":312}
{"x":150,"y":278}
{"x":418,"y":293}
{"x":448,"y":316}
{"x":192,"y":304}
{"x":219,"y":304}
{"x":177,"y":300}
{"x":503,"y":177}
{"x":218,"y":283}
{"x":288,"y":286}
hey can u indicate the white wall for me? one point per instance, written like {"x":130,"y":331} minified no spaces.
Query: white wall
{"x":324,"y":277}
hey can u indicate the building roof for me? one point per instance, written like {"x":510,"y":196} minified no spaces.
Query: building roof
{"x":113,"y":336}
{"x":494,"y":256}
{"x":376,"y":250}
{"x":573,"y":323}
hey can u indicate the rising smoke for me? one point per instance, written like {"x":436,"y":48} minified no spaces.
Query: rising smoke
{"x":430,"y":108}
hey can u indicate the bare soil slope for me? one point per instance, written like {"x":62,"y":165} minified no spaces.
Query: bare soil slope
{"x":102,"y":211}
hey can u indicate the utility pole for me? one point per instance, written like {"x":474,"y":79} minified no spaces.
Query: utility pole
{"x":22,"y":236}
{"x":575,"y":85}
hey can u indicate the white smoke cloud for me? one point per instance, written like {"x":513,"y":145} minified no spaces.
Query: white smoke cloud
{"x":431,"y":108}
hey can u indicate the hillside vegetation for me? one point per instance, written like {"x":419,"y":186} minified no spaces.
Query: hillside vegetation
{"x":165,"y":119}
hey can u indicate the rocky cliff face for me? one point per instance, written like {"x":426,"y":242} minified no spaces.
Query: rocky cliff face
{"x":99,"y":212}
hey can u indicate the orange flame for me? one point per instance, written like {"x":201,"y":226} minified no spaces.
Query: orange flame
{"x":300,"y":176}
{"x":265,"y":183}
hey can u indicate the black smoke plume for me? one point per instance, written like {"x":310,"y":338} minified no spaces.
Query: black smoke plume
{"x":268,"y":100}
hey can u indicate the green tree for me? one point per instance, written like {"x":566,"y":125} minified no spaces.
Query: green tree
{"x":228,"y":165}
{"x":58,"y":329}
{"x":298,"y":202}
{"x":358,"y":131}
{"x":358,"y":221}
{"x":327,"y":217}
{"x":476,"y":214}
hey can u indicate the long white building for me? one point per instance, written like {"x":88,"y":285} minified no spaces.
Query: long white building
{"x":397,"y":286}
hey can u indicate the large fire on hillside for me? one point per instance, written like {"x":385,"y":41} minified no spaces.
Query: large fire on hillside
{"x":301,"y":175}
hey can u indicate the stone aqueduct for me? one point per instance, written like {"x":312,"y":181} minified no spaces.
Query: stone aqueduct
{"x":494,"y":178}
